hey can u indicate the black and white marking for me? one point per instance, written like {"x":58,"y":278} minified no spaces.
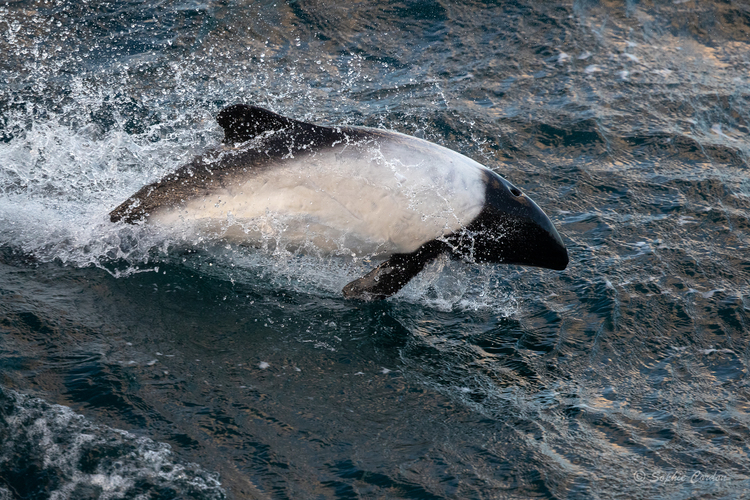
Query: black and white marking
{"x":371,"y":192}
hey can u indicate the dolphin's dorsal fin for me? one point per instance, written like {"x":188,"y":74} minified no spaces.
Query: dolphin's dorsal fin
{"x":242,"y":122}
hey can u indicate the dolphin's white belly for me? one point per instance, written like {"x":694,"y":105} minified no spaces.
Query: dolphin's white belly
{"x":383,"y":196}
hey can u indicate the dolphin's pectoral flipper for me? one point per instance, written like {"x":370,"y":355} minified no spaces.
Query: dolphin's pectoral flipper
{"x":393,"y":274}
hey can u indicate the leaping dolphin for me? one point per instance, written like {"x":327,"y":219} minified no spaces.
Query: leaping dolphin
{"x":372,"y":192}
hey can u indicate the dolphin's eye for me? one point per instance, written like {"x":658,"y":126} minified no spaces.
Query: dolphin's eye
{"x":515,"y":191}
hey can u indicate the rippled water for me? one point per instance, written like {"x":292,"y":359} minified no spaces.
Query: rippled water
{"x":200,"y":369}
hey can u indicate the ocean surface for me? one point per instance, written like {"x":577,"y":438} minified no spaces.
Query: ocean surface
{"x":142,"y":366}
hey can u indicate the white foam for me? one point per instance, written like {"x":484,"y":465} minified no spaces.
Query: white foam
{"x":80,"y":454}
{"x":59,"y":184}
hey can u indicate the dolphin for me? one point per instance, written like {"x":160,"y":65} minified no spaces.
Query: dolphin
{"x":362,"y":191}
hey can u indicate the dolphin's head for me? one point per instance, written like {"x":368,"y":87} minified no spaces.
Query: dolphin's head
{"x":511,"y":229}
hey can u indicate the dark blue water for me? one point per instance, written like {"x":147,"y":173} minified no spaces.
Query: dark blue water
{"x":137,"y":365}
